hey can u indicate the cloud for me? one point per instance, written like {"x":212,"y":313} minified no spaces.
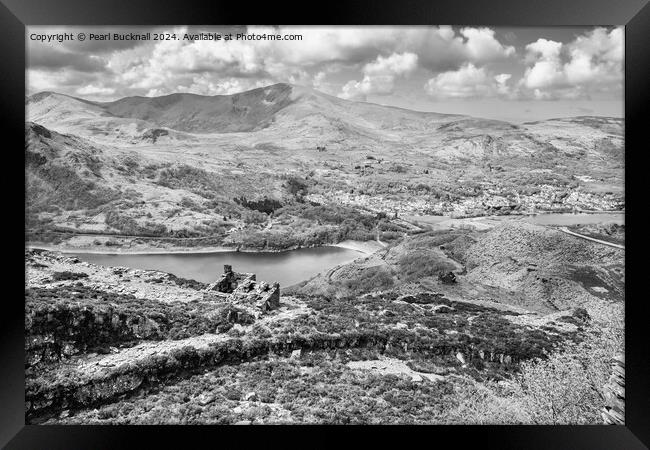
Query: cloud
{"x":547,"y":68}
{"x":320,"y":80}
{"x":95,"y":90}
{"x":596,"y":57}
{"x":591,"y":63}
{"x":47,"y":57}
{"x":583,"y":110}
{"x":206,"y":85}
{"x":481,"y":45}
{"x":442,"y":48}
{"x":467,"y":82}
{"x":61,"y":80}
{"x":138,"y":67}
{"x":380,"y":75}
{"x":502,"y":80}
{"x":351,"y":62}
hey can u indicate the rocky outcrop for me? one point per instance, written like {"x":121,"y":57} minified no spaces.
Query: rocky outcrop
{"x":423,"y":298}
{"x":153,"y":134}
{"x":614,"y":410}
{"x":448,"y":277}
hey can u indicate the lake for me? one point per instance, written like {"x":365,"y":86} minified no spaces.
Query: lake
{"x":287,"y":268}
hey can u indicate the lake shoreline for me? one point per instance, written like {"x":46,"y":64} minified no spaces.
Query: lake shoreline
{"x":481,"y":223}
{"x":365,"y":247}
{"x":287,"y":268}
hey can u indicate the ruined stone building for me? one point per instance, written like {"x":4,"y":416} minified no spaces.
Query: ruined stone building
{"x":243,"y":288}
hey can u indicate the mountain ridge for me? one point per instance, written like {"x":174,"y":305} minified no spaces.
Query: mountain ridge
{"x":289,"y":93}
{"x":246,"y":111}
{"x":298,"y":119}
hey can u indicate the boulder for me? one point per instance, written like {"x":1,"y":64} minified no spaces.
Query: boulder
{"x":447,"y":278}
{"x":416,"y":378}
{"x":205,"y":399}
{"x":442,"y":309}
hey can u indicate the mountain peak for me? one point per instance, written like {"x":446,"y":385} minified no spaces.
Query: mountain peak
{"x":37,"y":97}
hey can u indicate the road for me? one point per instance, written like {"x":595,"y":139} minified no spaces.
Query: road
{"x":130,"y":236}
{"x":611,"y":244}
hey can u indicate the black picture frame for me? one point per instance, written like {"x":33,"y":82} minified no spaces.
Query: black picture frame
{"x":16,"y":14}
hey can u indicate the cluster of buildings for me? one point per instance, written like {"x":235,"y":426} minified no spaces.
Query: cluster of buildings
{"x":492,"y":201}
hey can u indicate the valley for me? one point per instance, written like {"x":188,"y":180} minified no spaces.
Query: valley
{"x":297,"y":168}
{"x":386,"y":338}
{"x":434,"y":268}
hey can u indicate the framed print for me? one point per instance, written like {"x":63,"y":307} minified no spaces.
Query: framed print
{"x":406,"y":214}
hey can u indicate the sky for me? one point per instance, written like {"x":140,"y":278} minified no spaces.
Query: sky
{"x":513,"y":74}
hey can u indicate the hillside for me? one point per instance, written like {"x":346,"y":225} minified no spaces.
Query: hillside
{"x":466,"y":319}
{"x":67,"y":114}
{"x":247,"y":111}
{"x":389,"y":340}
{"x":221,"y":166}
{"x":301,"y":118}
{"x":516,"y":264}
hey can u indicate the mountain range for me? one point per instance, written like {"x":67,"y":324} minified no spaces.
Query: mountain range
{"x":299,"y":117}
{"x":187,"y":149}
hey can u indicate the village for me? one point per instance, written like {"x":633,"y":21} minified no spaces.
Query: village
{"x":494,"y":200}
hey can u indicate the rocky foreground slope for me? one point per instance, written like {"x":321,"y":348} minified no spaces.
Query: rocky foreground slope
{"x":389,"y":338}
